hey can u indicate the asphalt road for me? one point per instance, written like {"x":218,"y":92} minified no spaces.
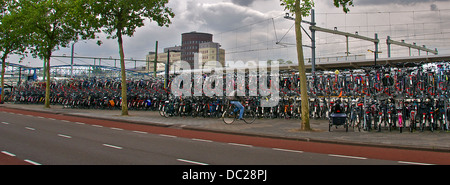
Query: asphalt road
{"x":50,"y":139}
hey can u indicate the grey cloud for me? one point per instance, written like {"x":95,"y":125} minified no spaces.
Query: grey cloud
{"x":243,"y":2}
{"x":400,"y":2}
{"x":223,"y":16}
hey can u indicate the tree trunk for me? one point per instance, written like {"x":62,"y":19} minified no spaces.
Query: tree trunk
{"x":301,"y":69}
{"x":124,"y":77}
{"x":3,"y":77}
{"x":47,"y":84}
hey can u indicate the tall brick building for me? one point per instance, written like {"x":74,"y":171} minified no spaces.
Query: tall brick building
{"x":190,"y":45}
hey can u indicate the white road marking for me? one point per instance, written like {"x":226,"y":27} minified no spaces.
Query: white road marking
{"x":140,"y":132}
{"x":202,"y":140}
{"x":66,"y":136}
{"x":237,"y":144}
{"x":286,"y":150}
{"x":29,"y":128}
{"x":345,"y":156}
{"x":116,"y":128}
{"x":7,"y":153}
{"x":98,"y":126}
{"x":192,"y":162}
{"x":31,"y":162}
{"x":6,"y":123}
{"x":112,"y":146}
{"x":414,"y":163}
{"x":79,"y":123}
{"x":167,"y":135}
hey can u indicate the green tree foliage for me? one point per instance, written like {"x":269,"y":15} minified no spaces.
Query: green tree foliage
{"x":121,"y":17}
{"x":12,"y":37}
{"x":53,"y":24}
{"x":302,"y":9}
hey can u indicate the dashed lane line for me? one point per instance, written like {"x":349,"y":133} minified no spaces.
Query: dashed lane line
{"x":413,"y":163}
{"x":32,"y":162}
{"x":113,"y":146}
{"x":237,"y":144}
{"x":139,"y":132}
{"x":346,"y":156}
{"x":9,"y":154}
{"x":202,"y":140}
{"x":287,"y":150}
{"x":164,"y":135}
{"x":26,"y":160}
{"x":29,"y":128}
{"x":192,"y":162}
{"x":65,"y":136}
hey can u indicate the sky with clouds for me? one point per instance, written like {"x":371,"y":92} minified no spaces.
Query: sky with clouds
{"x":249,"y":29}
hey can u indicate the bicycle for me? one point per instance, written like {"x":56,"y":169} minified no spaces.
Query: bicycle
{"x":232,"y":113}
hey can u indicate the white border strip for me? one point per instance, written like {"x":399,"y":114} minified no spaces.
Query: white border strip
{"x":345,"y":156}
{"x":413,"y":163}
{"x":192,"y":162}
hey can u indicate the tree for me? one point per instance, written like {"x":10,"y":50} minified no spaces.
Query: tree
{"x":121,"y":17}
{"x":12,"y":38}
{"x":53,"y":24}
{"x":300,"y":9}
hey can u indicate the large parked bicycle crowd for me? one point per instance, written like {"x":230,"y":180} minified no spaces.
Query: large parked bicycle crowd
{"x":410,"y":95}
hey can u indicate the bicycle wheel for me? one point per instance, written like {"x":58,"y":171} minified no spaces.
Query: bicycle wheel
{"x":162,"y":111}
{"x":249,"y":116}
{"x":229,"y":116}
{"x":168,"y":111}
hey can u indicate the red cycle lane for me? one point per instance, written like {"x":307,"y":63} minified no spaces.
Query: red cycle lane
{"x":10,"y":160}
{"x":384,"y":153}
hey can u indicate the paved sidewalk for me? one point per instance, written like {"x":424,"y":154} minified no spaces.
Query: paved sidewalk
{"x":277,"y":128}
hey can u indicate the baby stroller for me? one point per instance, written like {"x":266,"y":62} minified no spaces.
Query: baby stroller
{"x":337,"y":117}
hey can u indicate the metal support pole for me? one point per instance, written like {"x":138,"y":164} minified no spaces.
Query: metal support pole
{"x":166,"y":79}
{"x":156,"y":59}
{"x":313,"y":42}
{"x":71,"y":61}
{"x":346,"y":41}
{"x":376,"y":48}
{"x":312,"y":37}
{"x":20,"y":76}
{"x":388,"y":46}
